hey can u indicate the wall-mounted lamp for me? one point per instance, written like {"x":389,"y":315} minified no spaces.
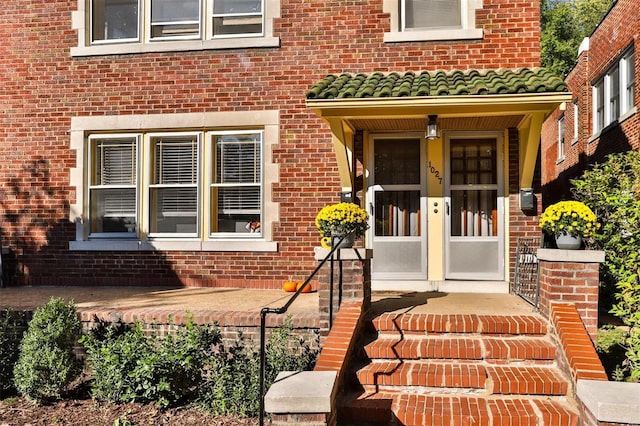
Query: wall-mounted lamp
{"x":432,"y":128}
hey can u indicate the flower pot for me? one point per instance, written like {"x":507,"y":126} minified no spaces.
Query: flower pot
{"x":347,"y":242}
{"x":568,"y":242}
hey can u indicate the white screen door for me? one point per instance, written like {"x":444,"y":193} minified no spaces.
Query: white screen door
{"x":397,"y":206}
{"x":474,"y":225}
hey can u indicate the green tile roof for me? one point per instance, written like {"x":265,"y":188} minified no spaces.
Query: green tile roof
{"x":437,"y":83}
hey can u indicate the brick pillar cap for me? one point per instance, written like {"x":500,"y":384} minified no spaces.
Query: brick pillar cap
{"x":577,"y":256}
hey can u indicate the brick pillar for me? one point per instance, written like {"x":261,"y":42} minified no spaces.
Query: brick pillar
{"x":571,"y":276}
{"x":355,"y":284}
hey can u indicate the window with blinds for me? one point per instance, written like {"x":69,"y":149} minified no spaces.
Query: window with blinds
{"x":232,"y":18}
{"x":173,"y":192}
{"x":175,"y":19}
{"x":430,"y":14}
{"x":112,"y":189}
{"x":237,"y":182}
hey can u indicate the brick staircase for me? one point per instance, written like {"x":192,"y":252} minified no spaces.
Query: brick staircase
{"x":427,"y":369}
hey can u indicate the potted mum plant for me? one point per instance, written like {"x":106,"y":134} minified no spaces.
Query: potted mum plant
{"x":569,"y":222}
{"x":340,"y":220}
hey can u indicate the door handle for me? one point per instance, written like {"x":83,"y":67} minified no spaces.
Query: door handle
{"x":446,"y":204}
{"x":371,"y":209}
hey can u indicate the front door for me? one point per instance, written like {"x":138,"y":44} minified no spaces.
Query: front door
{"x":397,"y":201}
{"x":474,"y":198}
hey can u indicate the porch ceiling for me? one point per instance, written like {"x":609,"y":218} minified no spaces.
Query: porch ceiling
{"x":446,"y":123}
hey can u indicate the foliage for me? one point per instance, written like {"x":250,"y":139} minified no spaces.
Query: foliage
{"x":130,"y":365}
{"x":233,"y":385}
{"x":564,"y":24}
{"x":612,"y":189}
{"x":47,"y":364}
{"x":572,"y":218}
{"x":9,"y":344}
{"x":611,"y":350}
{"x":342,"y":219}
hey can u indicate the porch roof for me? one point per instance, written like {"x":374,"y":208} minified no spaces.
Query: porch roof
{"x":463,"y":100}
{"x":437,"y":83}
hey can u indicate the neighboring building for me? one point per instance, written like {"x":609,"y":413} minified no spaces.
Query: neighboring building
{"x":602,"y":118}
{"x":192,"y":142}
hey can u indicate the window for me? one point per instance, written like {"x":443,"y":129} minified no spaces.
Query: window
{"x":429,"y":14}
{"x":136,"y":26}
{"x":561,"y":137}
{"x":115,"y":21}
{"x":236,"y":17}
{"x":613,"y":93}
{"x":422,"y":20}
{"x":193,"y":190}
{"x":628,"y":78}
{"x":113,"y":192}
{"x":236,"y":187}
{"x":576,"y":118}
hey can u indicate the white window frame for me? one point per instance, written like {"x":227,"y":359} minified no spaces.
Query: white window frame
{"x":99,"y":186}
{"x":561,"y":137}
{"x":82,"y":22}
{"x":145,"y":126}
{"x":611,"y":99}
{"x":576,"y":122}
{"x":468,"y":30}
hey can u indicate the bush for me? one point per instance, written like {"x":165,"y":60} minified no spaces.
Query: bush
{"x":612,"y":190}
{"x":233,"y":385}
{"x":130,"y":365}
{"x":11,"y":326}
{"x":47,"y":364}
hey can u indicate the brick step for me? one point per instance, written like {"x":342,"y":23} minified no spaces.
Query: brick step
{"x":420,"y":409}
{"x":526,"y":380}
{"x":505,"y":380}
{"x":438,"y":323}
{"x":417,"y":373}
{"x":389,"y":346}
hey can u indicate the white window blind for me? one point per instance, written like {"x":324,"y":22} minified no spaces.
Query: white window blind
{"x":175,"y":18}
{"x":425,"y":14}
{"x":176,"y":160}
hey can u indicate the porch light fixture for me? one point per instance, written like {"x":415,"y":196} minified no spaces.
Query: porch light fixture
{"x":432,"y":128}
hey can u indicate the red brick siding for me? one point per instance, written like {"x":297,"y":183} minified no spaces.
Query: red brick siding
{"x":619,"y":30}
{"x":43,"y":87}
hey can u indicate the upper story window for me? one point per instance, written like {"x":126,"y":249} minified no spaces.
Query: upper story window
{"x":561,"y":138}
{"x":176,"y":190}
{"x":576,"y":122}
{"x":137,"y":26}
{"x":613,"y":92}
{"x":423,"y":20}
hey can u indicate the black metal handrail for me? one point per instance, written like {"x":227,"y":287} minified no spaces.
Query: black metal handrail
{"x":279,"y":311}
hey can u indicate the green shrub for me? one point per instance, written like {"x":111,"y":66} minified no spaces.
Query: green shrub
{"x":130,"y":365}
{"x":612,"y":190}
{"x":47,"y":364}
{"x":11,"y":330}
{"x":233,"y":385}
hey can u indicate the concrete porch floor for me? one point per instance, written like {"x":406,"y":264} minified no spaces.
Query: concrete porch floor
{"x":252,"y":300}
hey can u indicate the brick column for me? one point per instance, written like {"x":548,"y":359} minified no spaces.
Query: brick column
{"x":355,"y":285}
{"x":571,"y":276}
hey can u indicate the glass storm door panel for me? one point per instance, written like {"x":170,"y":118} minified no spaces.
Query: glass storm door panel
{"x":396,"y":200}
{"x":474,"y":215}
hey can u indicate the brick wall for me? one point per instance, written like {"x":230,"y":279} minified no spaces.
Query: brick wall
{"x":619,"y":30}
{"x":43,"y":87}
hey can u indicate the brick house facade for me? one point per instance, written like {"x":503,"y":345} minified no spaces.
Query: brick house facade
{"x":604,"y":79}
{"x":101,"y":115}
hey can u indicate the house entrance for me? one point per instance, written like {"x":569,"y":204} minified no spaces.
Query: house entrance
{"x":474,"y":199}
{"x":397,"y":205}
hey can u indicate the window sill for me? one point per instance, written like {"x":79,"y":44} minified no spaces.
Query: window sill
{"x":229,"y":245}
{"x":560,"y":160}
{"x":175,"y":46}
{"x":434,"y":35}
